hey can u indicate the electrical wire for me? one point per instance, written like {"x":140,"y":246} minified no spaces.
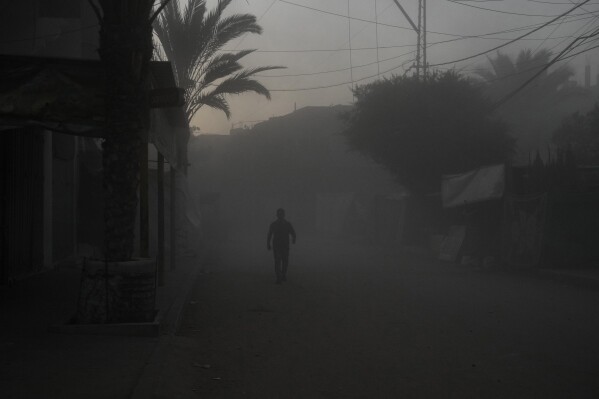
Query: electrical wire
{"x":548,"y":36}
{"x":258,"y":20}
{"x":513,"y":40}
{"x":457,"y":38}
{"x":581,"y":52}
{"x":523,"y":71}
{"x":413,"y":45}
{"x":549,"y":2}
{"x":539,"y":26}
{"x":341,"y":84}
{"x":335,"y":70}
{"x":512,"y":94}
{"x":343,"y":16}
{"x":503,"y":12}
{"x":353,"y":36}
{"x":564,"y":38}
{"x":583,"y":16}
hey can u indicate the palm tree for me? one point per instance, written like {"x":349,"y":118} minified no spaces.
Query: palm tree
{"x":535,"y":111}
{"x":507,"y":74}
{"x":192,"y":39}
{"x":125,"y":51}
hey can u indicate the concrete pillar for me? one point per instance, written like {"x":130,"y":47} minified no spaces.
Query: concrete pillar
{"x":160,"y":208}
{"x":75,"y":213}
{"x":144,"y":204}
{"x":174,"y":220}
{"x":48,"y":201}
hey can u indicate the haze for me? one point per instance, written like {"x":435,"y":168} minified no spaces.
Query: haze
{"x":295,"y":29}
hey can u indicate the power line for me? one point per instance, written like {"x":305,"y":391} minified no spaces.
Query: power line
{"x":583,"y":16}
{"x":359,"y":32}
{"x":533,"y":68}
{"x":457,"y":37}
{"x":332,"y":50}
{"x":324,"y":50}
{"x":594,"y":19}
{"x":258,"y":20}
{"x":580,"y":52}
{"x":548,"y":36}
{"x":549,"y":2}
{"x":344,"y":83}
{"x":336,"y":70}
{"x":401,"y":55}
{"x":503,"y":12}
{"x":513,"y":40}
{"x":343,"y":16}
{"x":511,"y":95}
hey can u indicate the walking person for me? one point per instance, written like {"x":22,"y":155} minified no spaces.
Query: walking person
{"x":279,"y":232}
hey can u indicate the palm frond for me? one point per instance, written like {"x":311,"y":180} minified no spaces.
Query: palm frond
{"x":220,"y":67}
{"x":241,"y":83}
{"x":502,"y":65}
{"x":212,"y":100}
{"x":191,"y":38}
{"x":234,"y":26}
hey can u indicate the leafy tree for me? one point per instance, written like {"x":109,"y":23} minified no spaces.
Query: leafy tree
{"x":191,"y":40}
{"x":578,"y":135}
{"x":422,"y":129}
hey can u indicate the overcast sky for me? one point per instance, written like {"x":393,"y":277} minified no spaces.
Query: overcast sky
{"x":308,"y":38}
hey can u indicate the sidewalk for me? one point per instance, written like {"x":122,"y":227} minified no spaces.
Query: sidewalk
{"x":586,"y":278}
{"x":38,"y":363}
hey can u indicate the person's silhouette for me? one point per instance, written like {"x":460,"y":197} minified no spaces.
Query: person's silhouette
{"x":279,"y":233}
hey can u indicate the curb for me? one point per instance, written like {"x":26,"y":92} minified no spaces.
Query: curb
{"x":570,"y":278}
{"x":170,"y":322}
{"x":151,"y":329}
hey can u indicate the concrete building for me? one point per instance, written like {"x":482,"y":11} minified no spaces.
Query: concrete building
{"x":50,"y":119}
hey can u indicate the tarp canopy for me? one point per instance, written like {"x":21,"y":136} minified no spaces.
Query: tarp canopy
{"x":483,"y":184}
{"x":66,"y":95}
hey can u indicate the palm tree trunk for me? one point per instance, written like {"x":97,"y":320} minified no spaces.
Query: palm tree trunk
{"x":125,"y":50}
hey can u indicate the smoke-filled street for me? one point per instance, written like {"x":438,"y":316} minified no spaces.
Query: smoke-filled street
{"x":354,"y":321}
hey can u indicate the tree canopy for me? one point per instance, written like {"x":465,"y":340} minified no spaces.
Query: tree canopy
{"x":192,"y":39}
{"x":578,"y":135}
{"x":422,"y":129}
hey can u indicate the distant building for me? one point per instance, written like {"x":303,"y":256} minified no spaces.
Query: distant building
{"x":299,"y":161}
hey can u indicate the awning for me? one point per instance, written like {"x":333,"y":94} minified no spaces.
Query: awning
{"x":66,"y":95}
{"x":478,"y":185}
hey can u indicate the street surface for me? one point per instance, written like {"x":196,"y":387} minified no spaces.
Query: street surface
{"x":354,"y":321}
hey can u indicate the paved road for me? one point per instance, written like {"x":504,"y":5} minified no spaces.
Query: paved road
{"x":356,"y":322}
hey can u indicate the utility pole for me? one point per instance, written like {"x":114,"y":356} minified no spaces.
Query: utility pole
{"x":420,"y":29}
{"x":422,"y":36}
